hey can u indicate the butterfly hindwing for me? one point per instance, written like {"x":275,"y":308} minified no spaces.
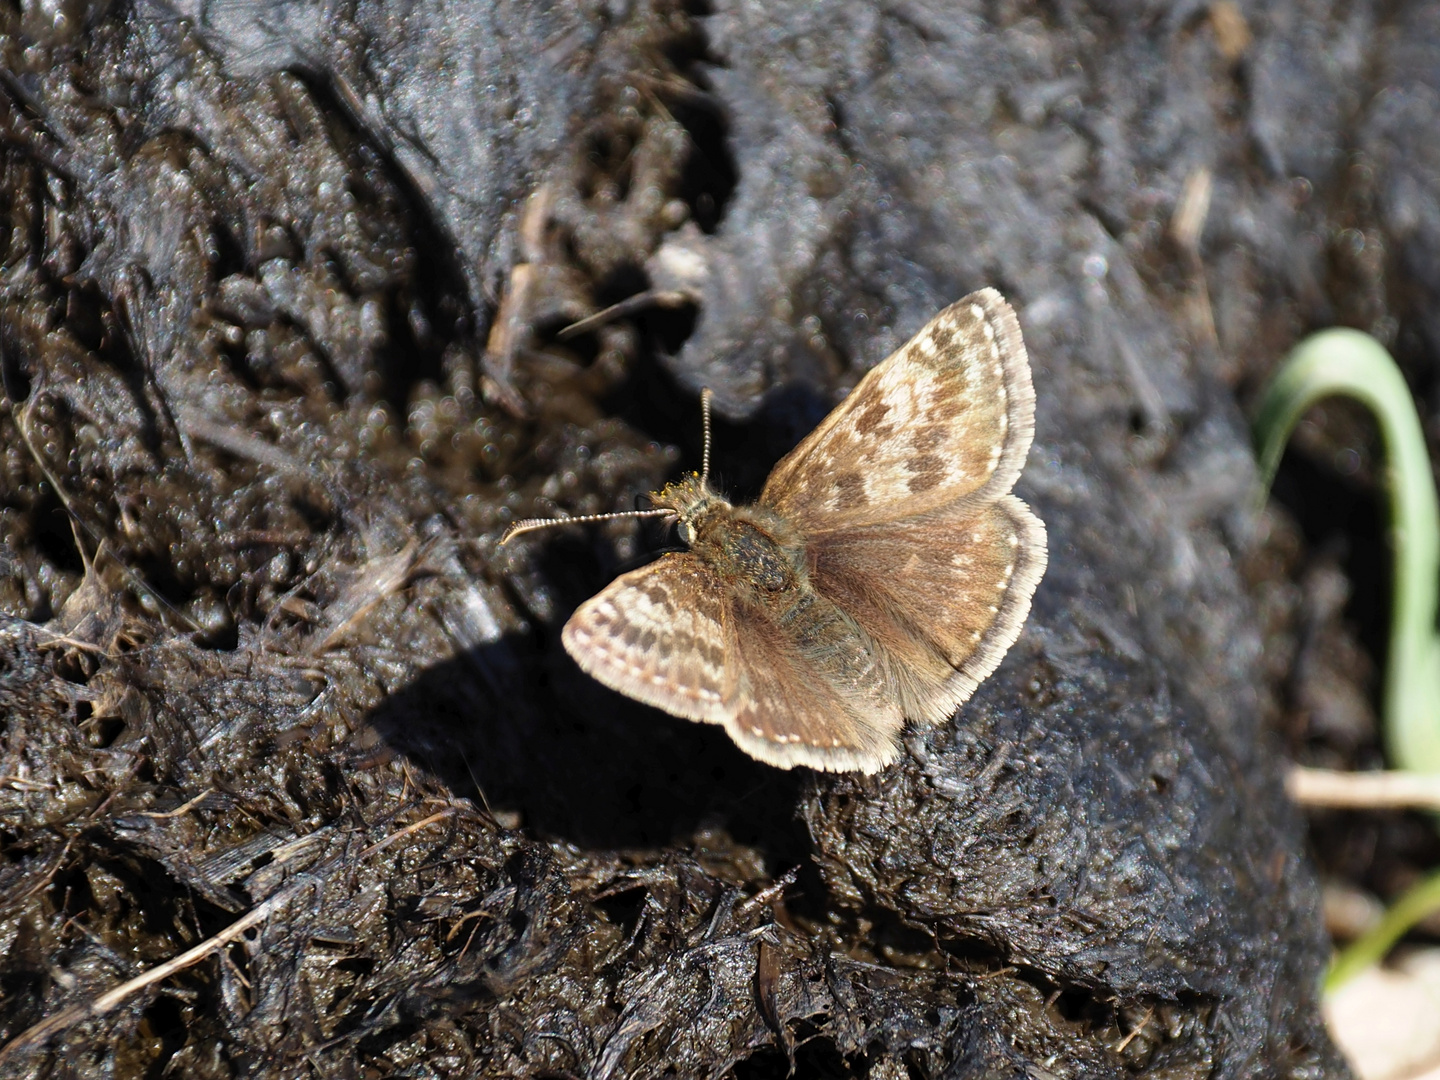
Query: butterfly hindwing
{"x":942,"y":597}
{"x":669,"y":635}
{"x":950,"y":415}
{"x":790,"y":710}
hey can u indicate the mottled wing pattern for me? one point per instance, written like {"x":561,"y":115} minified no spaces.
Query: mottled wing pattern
{"x":788,"y":712}
{"x":950,"y":415}
{"x":670,"y":636}
{"x":660,"y":634}
{"x":942,"y":596}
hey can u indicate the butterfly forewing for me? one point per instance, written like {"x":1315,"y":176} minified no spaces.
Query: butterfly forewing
{"x":660,"y":634}
{"x":949,"y":416}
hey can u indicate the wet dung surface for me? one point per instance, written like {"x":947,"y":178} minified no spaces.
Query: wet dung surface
{"x":281,"y":294}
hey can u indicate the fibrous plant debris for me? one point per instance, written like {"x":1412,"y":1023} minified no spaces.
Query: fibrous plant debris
{"x":282,"y":297}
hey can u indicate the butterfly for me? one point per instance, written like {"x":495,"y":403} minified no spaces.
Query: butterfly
{"x":884,"y":572}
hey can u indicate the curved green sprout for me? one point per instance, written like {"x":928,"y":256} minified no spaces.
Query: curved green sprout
{"x":1355,"y":365}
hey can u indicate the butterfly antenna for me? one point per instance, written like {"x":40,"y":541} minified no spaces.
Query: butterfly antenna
{"x":705,"y":396}
{"x":531,"y":524}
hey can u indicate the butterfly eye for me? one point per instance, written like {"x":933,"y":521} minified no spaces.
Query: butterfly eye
{"x":687,"y":533}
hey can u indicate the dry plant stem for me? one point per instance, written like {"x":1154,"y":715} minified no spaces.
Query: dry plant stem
{"x":1391,"y":790}
{"x":1353,"y":364}
{"x":113,"y":999}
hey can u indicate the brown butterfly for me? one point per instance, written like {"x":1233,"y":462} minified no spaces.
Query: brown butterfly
{"x":884,"y":573}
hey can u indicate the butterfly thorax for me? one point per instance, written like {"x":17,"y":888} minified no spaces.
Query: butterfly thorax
{"x":748,"y":546}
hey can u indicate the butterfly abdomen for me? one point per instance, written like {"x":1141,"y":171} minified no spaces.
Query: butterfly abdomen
{"x":833,"y":647}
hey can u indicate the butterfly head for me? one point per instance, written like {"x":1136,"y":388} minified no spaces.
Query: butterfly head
{"x":687,"y":500}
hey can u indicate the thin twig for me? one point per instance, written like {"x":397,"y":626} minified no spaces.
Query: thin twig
{"x":665,"y":298}
{"x":1136,"y":1030}
{"x":111,"y":1000}
{"x":183,"y":808}
{"x":381,"y":845}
